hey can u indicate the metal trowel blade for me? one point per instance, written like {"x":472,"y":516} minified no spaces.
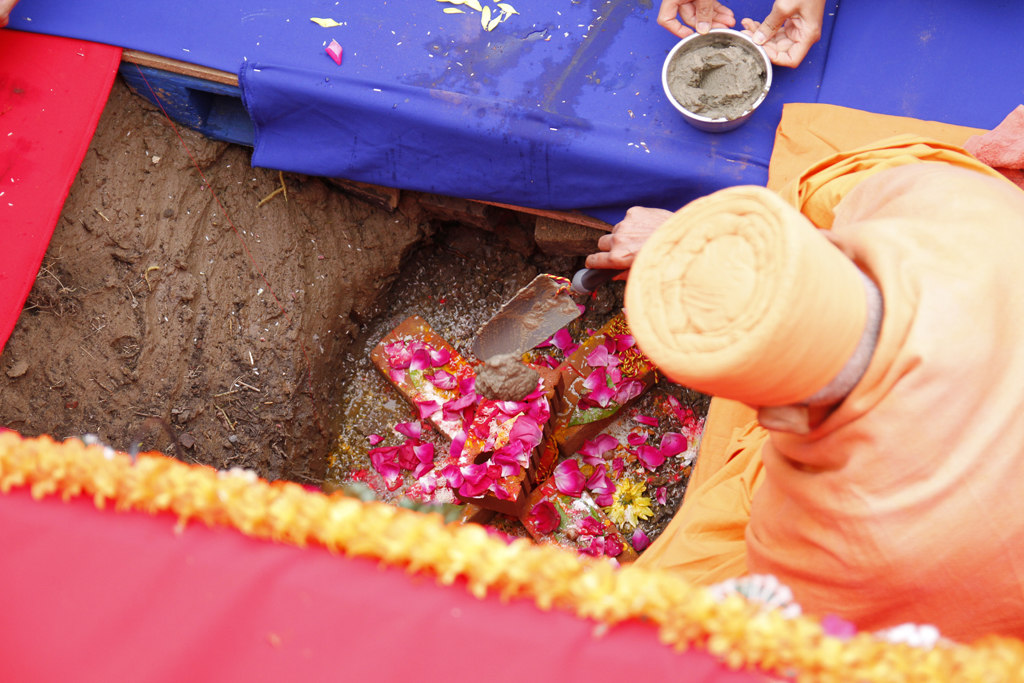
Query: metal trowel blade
{"x":536,"y":312}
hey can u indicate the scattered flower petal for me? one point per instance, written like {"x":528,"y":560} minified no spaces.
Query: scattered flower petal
{"x":623,"y":342}
{"x":428,"y":408}
{"x":511,"y":407}
{"x":618,"y":467}
{"x":599,"y":482}
{"x":439,"y":357}
{"x":601,"y":444}
{"x":627,"y":391}
{"x":661,"y":495}
{"x":596,"y":380}
{"x":568,"y":479}
{"x":397,"y":376}
{"x":374,"y":439}
{"x":443,"y":380}
{"x":428,"y":483}
{"x":612,"y":546}
{"x":477,"y":480}
{"x":673,"y":444}
{"x":588,"y":526}
{"x":420,"y":360}
{"x":326,"y":23}
{"x":602,"y":396}
{"x":598,"y":357}
{"x":453,"y":476}
{"x":407,"y":459}
{"x":467,"y":385}
{"x":637,"y":438}
{"x":647,"y":420}
{"x":413,"y":430}
{"x":596,"y":547}
{"x":640,"y":540}
{"x":458,"y":443}
{"x":545,"y":517}
{"x":650,"y":457}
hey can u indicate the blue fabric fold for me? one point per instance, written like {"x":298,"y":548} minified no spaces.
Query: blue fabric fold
{"x":560,"y":106}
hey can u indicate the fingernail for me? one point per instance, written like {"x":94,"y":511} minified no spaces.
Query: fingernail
{"x":703,"y":27}
{"x":759,"y":37}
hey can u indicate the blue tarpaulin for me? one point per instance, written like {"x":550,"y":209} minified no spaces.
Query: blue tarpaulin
{"x":561,"y":105}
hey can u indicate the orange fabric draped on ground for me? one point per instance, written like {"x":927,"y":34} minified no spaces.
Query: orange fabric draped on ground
{"x":900,"y":506}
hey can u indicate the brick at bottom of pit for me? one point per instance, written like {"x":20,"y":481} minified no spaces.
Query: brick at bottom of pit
{"x":569,"y":429}
{"x":573,"y":530}
{"x":414,"y":385}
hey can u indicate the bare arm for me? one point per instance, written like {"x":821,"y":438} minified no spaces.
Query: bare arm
{"x":619,"y":247}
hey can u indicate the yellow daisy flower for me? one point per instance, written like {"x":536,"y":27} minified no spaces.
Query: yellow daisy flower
{"x":629,"y":506}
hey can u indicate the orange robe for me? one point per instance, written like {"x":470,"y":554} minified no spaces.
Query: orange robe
{"x":901,"y":506}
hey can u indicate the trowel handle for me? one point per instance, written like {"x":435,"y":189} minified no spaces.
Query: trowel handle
{"x":587,"y":280}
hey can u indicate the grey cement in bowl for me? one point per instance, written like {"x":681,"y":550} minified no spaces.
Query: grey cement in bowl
{"x":717,"y":79}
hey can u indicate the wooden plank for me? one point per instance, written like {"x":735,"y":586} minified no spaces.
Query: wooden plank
{"x":567,"y":216}
{"x":178,"y":67}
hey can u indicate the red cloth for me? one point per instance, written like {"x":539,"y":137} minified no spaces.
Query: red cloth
{"x":90,"y":595}
{"x":52,"y":92}
{"x":1003,"y":147}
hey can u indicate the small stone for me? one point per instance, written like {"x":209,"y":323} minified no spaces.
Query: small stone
{"x":168,"y":213}
{"x":18,"y":369}
{"x":233,"y":439}
{"x":186,"y":441}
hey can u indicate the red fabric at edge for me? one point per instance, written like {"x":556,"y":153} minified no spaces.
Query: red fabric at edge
{"x":52,"y":92}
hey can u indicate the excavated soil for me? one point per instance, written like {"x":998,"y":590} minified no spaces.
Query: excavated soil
{"x":156,"y":317}
{"x":151,"y":303}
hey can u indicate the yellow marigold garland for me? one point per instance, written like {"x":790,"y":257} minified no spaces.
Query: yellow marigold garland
{"x":733,"y":630}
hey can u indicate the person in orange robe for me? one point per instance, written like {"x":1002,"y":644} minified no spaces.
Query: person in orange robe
{"x":881,"y":361}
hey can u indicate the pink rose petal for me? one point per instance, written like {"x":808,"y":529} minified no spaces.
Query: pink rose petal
{"x":618,"y":467}
{"x":602,"y":396}
{"x":428,"y":408}
{"x":467,"y":385}
{"x":385,"y":461}
{"x":599,"y":482}
{"x":546,"y":343}
{"x":413,"y":430}
{"x":661,"y":495}
{"x":443,"y":380}
{"x":428,"y":483}
{"x":439,"y":357}
{"x":398,"y":356}
{"x":458,"y":443}
{"x":596,"y":547}
{"x":562,"y":340}
{"x":511,"y":407}
{"x":627,"y":391}
{"x":604,"y":499}
{"x":601,"y":444}
{"x":582,"y":308}
{"x":477,"y":480}
{"x":527,"y":431}
{"x":640,"y":540}
{"x":650,"y":457}
{"x":596,"y":379}
{"x":588,"y":526}
{"x":335,"y":51}
{"x":545,"y":517}
{"x":453,"y":475}
{"x":420,"y":360}
{"x":540,"y":410}
{"x":673,"y":444}
{"x":407,"y":459}
{"x":568,"y":479}
{"x":397,"y":376}
{"x":374,"y":439}
{"x":647,"y":420}
{"x":623,"y":342}
{"x":598,"y":357}
{"x":612,"y":546}
{"x":637,"y":438}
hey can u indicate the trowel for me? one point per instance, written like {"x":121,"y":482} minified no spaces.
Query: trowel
{"x":536,"y":312}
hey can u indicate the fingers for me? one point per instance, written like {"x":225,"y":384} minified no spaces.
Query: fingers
{"x":771,"y":24}
{"x":705,"y":14}
{"x":668,"y":17}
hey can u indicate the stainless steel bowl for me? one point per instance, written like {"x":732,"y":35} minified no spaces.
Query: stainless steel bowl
{"x":714,"y":37}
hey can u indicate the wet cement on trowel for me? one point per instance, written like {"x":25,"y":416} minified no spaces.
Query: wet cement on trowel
{"x":505,"y":378}
{"x":716,"y":81}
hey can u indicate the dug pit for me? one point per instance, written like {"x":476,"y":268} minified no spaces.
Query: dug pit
{"x":717,"y":81}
